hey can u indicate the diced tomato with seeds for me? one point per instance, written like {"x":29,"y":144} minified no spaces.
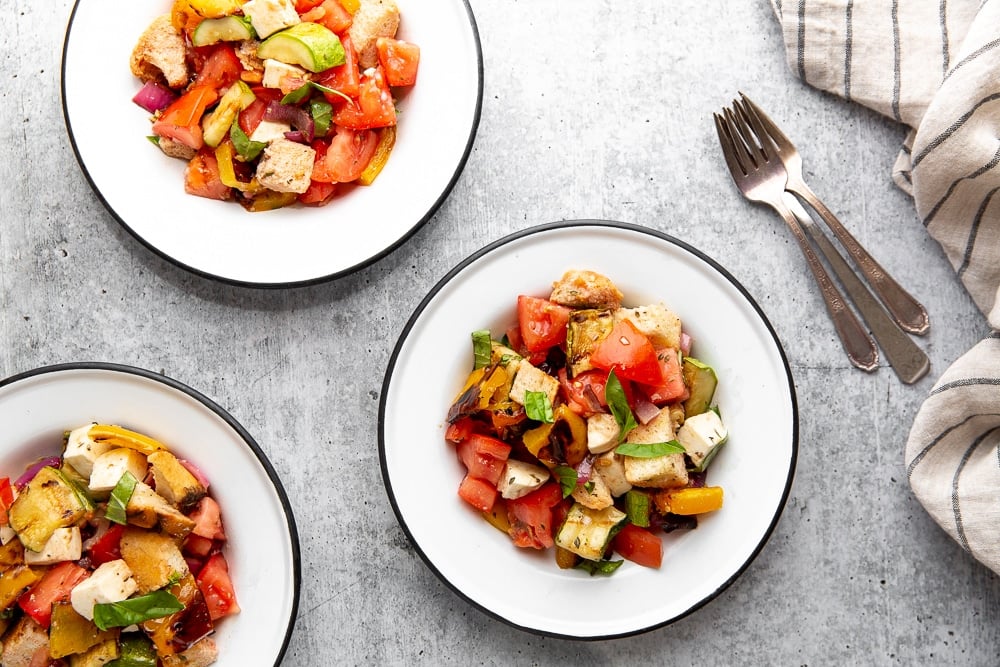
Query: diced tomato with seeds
{"x":207,"y":519}
{"x":346,"y":78}
{"x":639,"y":546}
{"x":217,"y":588}
{"x":108,"y":547}
{"x":542,"y":322}
{"x":181,"y":120}
{"x":630,"y":353}
{"x":331,"y":14}
{"x":484,"y":457}
{"x":346,"y":156}
{"x":399,"y":59}
{"x":202,"y":177}
{"x":221,"y":68}
{"x":374,"y":106}
{"x":478,"y":492}
{"x":54,"y":586}
{"x":531,"y":516}
{"x":673,"y":387}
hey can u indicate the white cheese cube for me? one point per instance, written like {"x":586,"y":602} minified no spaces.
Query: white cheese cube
{"x":529,"y":378}
{"x":270,"y":16}
{"x":275,"y":70}
{"x":611,"y":468}
{"x":520,"y":479}
{"x":269,"y":130}
{"x":65,"y":544}
{"x":110,"y":466}
{"x":701,"y":434}
{"x":602,"y":433}
{"x":6,"y":534}
{"x":111,"y":582}
{"x":82,"y":450}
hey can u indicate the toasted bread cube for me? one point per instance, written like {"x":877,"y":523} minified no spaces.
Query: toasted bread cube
{"x":175,"y":482}
{"x":154,"y":558}
{"x":286,"y":166}
{"x":374,"y":19}
{"x":201,"y":654}
{"x":659,"y":472}
{"x":611,"y":468}
{"x":110,"y":466}
{"x":146,"y":509}
{"x":586,"y":289}
{"x":529,"y":378}
{"x":656,"y":322}
{"x":160,"y":54}
{"x":594,"y":493}
{"x":22,"y":642}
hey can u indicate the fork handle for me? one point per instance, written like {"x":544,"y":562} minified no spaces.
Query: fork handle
{"x":857,"y":342}
{"x":907,"y":311}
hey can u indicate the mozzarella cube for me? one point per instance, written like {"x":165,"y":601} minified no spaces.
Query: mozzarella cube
{"x":275,"y":70}
{"x":269,"y":130}
{"x":111,"y":582}
{"x":82,"y":450}
{"x":110,"y":466}
{"x":65,"y":544}
{"x":6,"y":534}
{"x":602,"y":433}
{"x":270,"y":16}
{"x":701,"y":434}
{"x":529,"y":378}
{"x":520,"y":478}
{"x":611,"y":468}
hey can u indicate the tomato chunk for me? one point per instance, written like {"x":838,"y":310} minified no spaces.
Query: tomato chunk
{"x":344,"y":78}
{"x":202,"y":177}
{"x":108,"y":547}
{"x":217,"y":588}
{"x":542,"y":322}
{"x":484,"y":457}
{"x":347,"y":155}
{"x":639,"y":546}
{"x":221,"y":68}
{"x":585,"y":392}
{"x":6,"y":499}
{"x":478,"y":492}
{"x":208,"y":519}
{"x":673,"y":387}
{"x":399,"y":59}
{"x":181,"y":120}
{"x":54,"y":587}
{"x":630,"y":353}
{"x":374,"y":106}
{"x":331,"y":14}
{"x":531,"y":517}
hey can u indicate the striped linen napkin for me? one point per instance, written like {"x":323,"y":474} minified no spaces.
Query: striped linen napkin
{"x":934,"y":66}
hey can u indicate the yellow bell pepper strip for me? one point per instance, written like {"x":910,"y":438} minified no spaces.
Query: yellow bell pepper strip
{"x":497,"y":517}
{"x":122,"y":437}
{"x":386,"y":141}
{"x":269,"y":200}
{"x":351,"y":6}
{"x":694,"y":500}
{"x":227,"y":172}
{"x":539,"y":440}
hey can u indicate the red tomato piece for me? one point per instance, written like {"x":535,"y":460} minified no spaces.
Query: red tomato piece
{"x":478,"y":493}
{"x":344,"y":78}
{"x":217,"y":588}
{"x":6,"y":499}
{"x":460,"y":429}
{"x":630,"y":353}
{"x":374,"y":106}
{"x":331,"y":14}
{"x":542,"y":322}
{"x":221,"y":68}
{"x":399,"y":59}
{"x":346,"y":157}
{"x":251,"y":117}
{"x":303,"y":6}
{"x":531,"y":517}
{"x":584,"y":390}
{"x":198,"y":546}
{"x":54,"y":586}
{"x":108,"y":547}
{"x":639,"y":546}
{"x":673,"y":387}
{"x":181,"y":120}
{"x":318,"y":194}
{"x":207,"y":519}
{"x":202,"y":177}
{"x":484,"y":457}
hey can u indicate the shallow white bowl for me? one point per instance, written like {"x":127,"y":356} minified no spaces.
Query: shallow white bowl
{"x":433,"y":357}
{"x":144,"y":190}
{"x":36,"y":407}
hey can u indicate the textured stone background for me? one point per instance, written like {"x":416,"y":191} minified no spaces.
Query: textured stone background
{"x":591,"y":109}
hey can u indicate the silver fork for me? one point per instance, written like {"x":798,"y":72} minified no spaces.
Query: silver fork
{"x":764,"y":181}
{"x":907,"y":311}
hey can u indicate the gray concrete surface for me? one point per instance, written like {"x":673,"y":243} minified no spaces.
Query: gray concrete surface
{"x":591,"y":109}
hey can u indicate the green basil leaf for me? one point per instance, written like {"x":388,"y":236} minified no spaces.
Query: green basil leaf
{"x":482,"y":348}
{"x":245,"y":147}
{"x":136,"y":610}
{"x":567,"y":479}
{"x":120,"y":495}
{"x":594,"y":567}
{"x":538,"y":406}
{"x":615,"y":396}
{"x":306,"y":89}
{"x":650,"y":450}
{"x":322,"y":114}
{"x":153,"y":139}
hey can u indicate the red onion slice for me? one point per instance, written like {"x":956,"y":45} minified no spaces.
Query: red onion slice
{"x":32,"y":470}
{"x":153,"y":97}
{"x":297,"y":117}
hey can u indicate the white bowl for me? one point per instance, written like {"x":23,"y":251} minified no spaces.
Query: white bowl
{"x":525,"y":589}
{"x":36,"y":407}
{"x":144,"y":190}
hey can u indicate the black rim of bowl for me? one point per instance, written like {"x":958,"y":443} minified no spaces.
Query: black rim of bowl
{"x":571,"y":224}
{"x":449,"y":186}
{"x":233,"y":424}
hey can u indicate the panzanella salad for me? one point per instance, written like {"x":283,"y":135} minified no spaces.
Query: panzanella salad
{"x":588,"y":428}
{"x":112,"y":554}
{"x":273,"y":102}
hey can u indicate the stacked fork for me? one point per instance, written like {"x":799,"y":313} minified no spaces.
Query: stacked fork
{"x":767,"y":168}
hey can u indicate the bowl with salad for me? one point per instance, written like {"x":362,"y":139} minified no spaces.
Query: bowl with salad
{"x":126,"y":535}
{"x":606,"y":431}
{"x":257,"y":141}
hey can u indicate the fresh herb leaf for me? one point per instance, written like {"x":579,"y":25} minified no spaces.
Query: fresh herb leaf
{"x":482,"y":348}
{"x":615,"y":395}
{"x":589,"y":486}
{"x":507,"y":358}
{"x":136,"y":610}
{"x":153,"y":139}
{"x":594,"y":567}
{"x":120,"y":496}
{"x":245,"y":147}
{"x":649,"y":450}
{"x":567,"y":479}
{"x":322,"y":114}
{"x":306,"y":89}
{"x":538,"y":406}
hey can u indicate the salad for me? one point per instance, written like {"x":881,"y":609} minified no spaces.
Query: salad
{"x":588,"y":428}
{"x":273,"y":102}
{"x":112,"y":554}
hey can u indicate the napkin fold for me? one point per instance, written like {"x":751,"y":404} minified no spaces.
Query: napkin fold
{"x":935,"y":67}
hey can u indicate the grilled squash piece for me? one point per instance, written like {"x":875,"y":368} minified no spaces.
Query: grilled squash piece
{"x":586,"y":328}
{"x":48,"y":502}
{"x":71,"y":633}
